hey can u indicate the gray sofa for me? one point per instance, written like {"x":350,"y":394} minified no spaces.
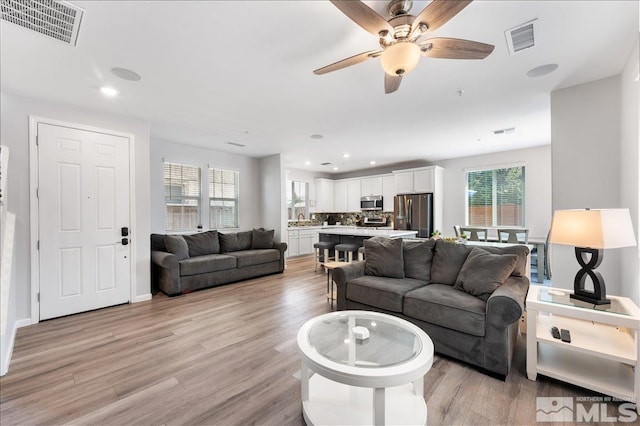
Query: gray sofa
{"x":468,"y":299}
{"x":183,"y":263}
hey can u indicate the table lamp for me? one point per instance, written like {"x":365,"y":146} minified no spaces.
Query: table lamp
{"x":590,"y":232}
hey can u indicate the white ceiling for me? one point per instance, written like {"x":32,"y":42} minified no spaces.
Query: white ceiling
{"x":241,"y":71}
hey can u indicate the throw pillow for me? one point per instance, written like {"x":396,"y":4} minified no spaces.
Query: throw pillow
{"x":484,"y":272}
{"x":176,"y":245}
{"x":235,"y":242}
{"x":448,"y":258}
{"x":417,"y":259}
{"x":262,"y":239}
{"x":244,"y":240}
{"x":383,"y":257}
{"x":521,"y":251}
{"x":203,"y":243}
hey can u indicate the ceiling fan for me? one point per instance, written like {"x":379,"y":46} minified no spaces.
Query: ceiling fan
{"x":401,"y":37}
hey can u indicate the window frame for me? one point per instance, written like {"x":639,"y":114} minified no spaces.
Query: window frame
{"x":198,"y":198}
{"x":494,"y":197}
{"x":236,"y":200}
{"x":291,"y":215}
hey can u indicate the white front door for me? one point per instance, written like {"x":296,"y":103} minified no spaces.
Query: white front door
{"x":83,"y":204}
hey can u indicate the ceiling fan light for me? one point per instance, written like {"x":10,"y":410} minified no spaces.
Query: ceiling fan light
{"x":400,"y":58}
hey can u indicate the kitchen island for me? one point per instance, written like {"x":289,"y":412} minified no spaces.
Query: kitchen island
{"x":358,"y":235}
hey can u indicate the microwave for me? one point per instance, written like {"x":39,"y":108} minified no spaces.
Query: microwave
{"x":371,"y":202}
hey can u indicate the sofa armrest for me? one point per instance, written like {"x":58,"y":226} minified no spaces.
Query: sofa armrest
{"x":166,"y":272}
{"x":282,"y":247}
{"x":506,"y":304}
{"x":341,"y":276}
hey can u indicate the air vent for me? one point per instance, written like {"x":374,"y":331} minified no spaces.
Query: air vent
{"x":521,"y":37}
{"x":236,"y":144}
{"x":56,"y":19}
{"x":508,"y":131}
{"x":324,"y":164}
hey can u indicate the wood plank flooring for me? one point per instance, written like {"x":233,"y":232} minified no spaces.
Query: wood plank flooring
{"x":221,"y":356}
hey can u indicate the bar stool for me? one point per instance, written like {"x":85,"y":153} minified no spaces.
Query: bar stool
{"x":322,"y":249}
{"x":348,"y":249}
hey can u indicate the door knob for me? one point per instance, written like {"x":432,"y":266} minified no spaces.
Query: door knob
{"x":125,"y":241}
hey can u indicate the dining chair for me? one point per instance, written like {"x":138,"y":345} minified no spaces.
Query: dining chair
{"x":456,"y":229}
{"x":513,"y":236}
{"x":475,"y":233}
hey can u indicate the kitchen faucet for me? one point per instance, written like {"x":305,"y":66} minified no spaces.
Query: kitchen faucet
{"x":301,"y":214}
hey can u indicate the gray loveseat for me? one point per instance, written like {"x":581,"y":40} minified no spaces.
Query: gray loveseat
{"x":183,"y":263}
{"x":468,"y":299}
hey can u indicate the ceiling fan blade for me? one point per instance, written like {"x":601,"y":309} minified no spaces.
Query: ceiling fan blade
{"x":364,"y":16}
{"x":439,"y":12}
{"x":454,"y":48}
{"x":391,"y":82}
{"x":353,"y":60}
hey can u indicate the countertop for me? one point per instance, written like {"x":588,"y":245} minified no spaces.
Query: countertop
{"x":366,"y":232}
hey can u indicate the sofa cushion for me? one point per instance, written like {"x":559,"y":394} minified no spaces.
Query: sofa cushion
{"x":381,"y":292}
{"x":255,"y":257}
{"x":383,"y":257}
{"x":261,"y":239}
{"x":448,"y":258}
{"x":176,"y":245}
{"x":207,"y":263}
{"x":483,"y":272}
{"x":443,"y":305}
{"x":417,"y":259}
{"x":520,"y":251}
{"x":203,"y":243}
{"x":235,"y":241}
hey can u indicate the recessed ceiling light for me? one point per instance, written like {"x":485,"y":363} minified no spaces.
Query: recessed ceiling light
{"x":316,"y":136}
{"x":345,"y":155}
{"x":542,"y":70}
{"x":126,"y":74}
{"x":372,"y":162}
{"x":109,"y":91}
{"x":335,"y":168}
{"x":307,"y":163}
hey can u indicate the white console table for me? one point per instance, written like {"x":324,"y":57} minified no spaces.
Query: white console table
{"x":604,"y":350}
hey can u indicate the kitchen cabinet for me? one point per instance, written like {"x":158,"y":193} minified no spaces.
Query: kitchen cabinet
{"x":324,"y":195}
{"x":388,"y":192}
{"x":371,"y":186}
{"x":424,"y":179}
{"x":301,"y":241}
{"x":353,"y":195}
{"x":340,"y":194}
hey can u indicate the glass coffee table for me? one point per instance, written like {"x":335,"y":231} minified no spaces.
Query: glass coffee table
{"x":362,"y":367}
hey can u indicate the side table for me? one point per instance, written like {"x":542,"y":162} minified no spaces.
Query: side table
{"x":605,"y":342}
{"x":330,"y":266}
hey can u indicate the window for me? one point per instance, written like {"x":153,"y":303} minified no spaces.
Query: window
{"x":495,"y":197}
{"x":182,"y":193}
{"x":224,"y":189}
{"x":297,"y":200}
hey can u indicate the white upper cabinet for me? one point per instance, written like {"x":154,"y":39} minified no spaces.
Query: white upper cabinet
{"x":424,"y":179}
{"x":324,"y":195}
{"x":340,"y":194}
{"x":353,"y":195}
{"x":371,"y":186}
{"x":388,"y":192}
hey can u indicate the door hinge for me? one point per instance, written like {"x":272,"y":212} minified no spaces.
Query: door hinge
{"x":37,"y":192}
{"x":38,"y":245}
{"x":37,"y":140}
{"x":38,"y":297}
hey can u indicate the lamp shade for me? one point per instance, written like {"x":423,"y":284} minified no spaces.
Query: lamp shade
{"x":598,"y":229}
{"x":400,"y":58}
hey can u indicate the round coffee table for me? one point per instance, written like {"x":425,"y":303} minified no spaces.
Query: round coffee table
{"x":363,"y":380}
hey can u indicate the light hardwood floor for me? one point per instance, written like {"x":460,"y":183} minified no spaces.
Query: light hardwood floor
{"x":223,"y":356}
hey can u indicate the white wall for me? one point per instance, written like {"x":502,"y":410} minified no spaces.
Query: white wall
{"x":629,"y":166}
{"x":14,"y":132}
{"x":172,"y":152}
{"x":537,"y":162}
{"x":586,"y":153}
{"x":273,"y":203}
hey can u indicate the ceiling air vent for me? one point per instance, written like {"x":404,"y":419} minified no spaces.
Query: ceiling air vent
{"x":236,"y":144}
{"x":324,"y":164}
{"x":56,"y":19}
{"x":508,"y":131}
{"x":521,"y":37}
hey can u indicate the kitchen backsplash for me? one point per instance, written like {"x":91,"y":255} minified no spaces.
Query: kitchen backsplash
{"x":318,"y":219}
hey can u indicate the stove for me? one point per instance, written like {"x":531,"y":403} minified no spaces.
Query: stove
{"x":374,"y":221}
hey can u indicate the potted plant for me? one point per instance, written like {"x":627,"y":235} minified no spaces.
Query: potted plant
{"x":436,"y":235}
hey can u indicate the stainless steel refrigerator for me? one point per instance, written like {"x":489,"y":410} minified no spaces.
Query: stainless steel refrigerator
{"x":414,"y":212}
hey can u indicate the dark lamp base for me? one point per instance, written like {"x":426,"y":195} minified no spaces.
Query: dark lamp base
{"x":591,"y":300}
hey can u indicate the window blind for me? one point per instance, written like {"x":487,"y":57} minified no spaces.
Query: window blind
{"x":182,"y":193}
{"x":224,"y":190}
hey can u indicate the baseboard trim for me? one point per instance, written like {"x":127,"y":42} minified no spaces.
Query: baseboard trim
{"x":4,"y":368}
{"x":141,"y":298}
